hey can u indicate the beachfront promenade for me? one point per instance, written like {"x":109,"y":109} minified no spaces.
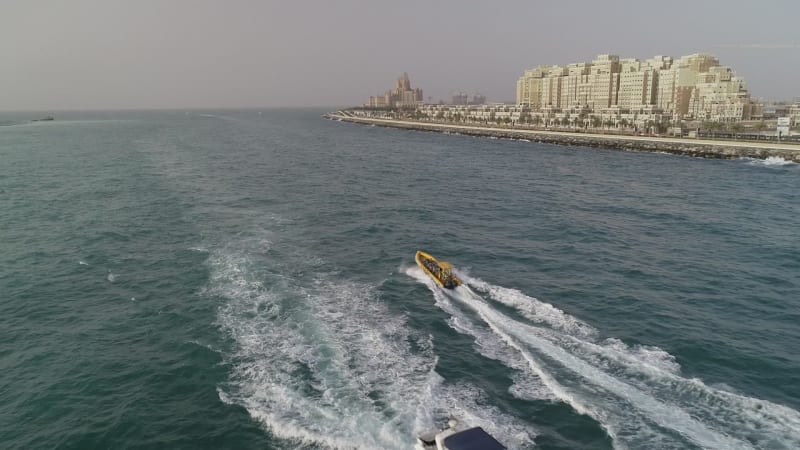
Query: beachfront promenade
{"x":686,"y":146}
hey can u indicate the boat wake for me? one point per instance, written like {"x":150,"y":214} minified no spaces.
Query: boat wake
{"x":636,"y":393}
{"x":322,"y":362}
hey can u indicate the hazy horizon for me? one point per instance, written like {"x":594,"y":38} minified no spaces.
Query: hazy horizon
{"x":111,"y":55}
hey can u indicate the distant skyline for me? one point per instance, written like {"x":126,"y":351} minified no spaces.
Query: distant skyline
{"x":115,"y":54}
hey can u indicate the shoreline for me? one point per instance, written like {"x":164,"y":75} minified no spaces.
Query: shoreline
{"x":700,"y":148}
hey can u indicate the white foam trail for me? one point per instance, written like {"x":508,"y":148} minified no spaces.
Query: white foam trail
{"x":532,"y":308}
{"x":516,"y":335}
{"x":323,"y":363}
{"x":777,"y":161}
{"x":636,"y":393}
{"x":545,"y":313}
{"x":770,"y":161}
{"x":527,"y":386}
{"x":83,"y":263}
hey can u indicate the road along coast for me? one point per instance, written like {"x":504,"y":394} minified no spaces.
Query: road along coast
{"x":701,"y":148}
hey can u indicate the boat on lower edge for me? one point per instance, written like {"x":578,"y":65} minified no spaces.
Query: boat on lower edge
{"x":440,"y":271}
{"x":454,"y":438}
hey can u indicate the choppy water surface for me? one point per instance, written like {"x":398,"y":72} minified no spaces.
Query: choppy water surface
{"x":245,"y":279}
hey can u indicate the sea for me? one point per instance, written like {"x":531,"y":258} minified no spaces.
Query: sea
{"x":245,"y":279}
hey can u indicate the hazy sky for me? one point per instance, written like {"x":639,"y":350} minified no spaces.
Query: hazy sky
{"x":107,"y":54}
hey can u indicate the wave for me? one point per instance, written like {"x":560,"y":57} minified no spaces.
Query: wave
{"x":11,"y":123}
{"x":212,"y":116}
{"x":771,"y":161}
{"x":322,"y":362}
{"x":637,"y":393}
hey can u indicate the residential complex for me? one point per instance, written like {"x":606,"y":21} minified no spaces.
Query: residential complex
{"x":402,"y":96}
{"x":656,"y":95}
{"x":692,"y":87}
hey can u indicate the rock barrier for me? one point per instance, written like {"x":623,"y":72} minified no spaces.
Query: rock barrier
{"x":718,"y":150}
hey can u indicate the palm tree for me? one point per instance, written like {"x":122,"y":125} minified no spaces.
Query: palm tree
{"x":664,"y":124}
{"x":736,"y":128}
{"x":760,"y":127}
{"x":712,"y":127}
{"x":718,"y":126}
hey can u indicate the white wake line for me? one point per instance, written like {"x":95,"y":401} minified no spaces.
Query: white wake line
{"x":549,"y":381}
{"x":532,"y":308}
{"x":326,"y":337}
{"x":665,"y":415}
{"x":764,"y":418}
{"x":353,"y":346}
{"x":769,"y":412}
{"x":297,"y":433}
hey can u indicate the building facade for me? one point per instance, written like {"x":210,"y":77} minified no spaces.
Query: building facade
{"x":794,"y":113}
{"x":691,"y":87}
{"x":402,"y":96}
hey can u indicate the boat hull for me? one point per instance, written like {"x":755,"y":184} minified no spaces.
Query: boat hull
{"x":435,"y":269}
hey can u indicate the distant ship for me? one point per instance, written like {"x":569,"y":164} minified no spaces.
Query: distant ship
{"x":44,"y":119}
{"x":441,"y":272}
{"x":453,"y":439}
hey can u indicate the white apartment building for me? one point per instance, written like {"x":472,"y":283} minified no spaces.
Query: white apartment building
{"x":691,"y":87}
{"x":719,"y":96}
{"x":637,"y":86}
{"x":794,"y":113}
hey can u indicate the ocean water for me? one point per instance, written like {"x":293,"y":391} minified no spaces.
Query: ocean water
{"x":245,"y":279}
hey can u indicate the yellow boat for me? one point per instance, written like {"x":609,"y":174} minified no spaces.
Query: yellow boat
{"x":441,"y":272}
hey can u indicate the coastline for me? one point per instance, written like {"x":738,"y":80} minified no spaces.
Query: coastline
{"x":701,"y":148}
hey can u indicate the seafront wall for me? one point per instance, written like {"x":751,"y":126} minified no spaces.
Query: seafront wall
{"x":680,"y":146}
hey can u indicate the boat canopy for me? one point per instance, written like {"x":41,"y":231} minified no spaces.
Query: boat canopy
{"x":472,"y":439}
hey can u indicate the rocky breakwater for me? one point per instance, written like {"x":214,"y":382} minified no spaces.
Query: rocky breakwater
{"x":679,"y":146}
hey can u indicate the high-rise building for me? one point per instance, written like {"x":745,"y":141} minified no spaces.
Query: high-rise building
{"x":402,"y":96}
{"x":477,"y":99}
{"x":637,"y":85}
{"x":459,"y":98}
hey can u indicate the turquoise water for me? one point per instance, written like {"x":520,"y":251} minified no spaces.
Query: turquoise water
{"x":236,"y":279}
